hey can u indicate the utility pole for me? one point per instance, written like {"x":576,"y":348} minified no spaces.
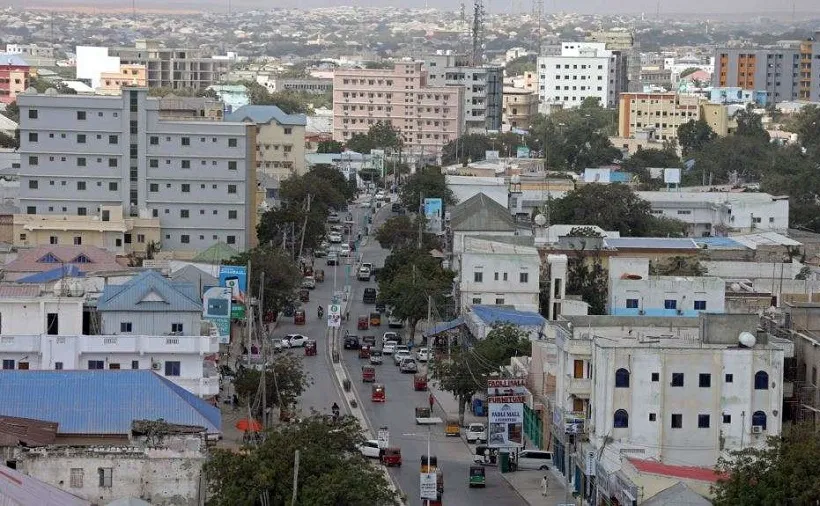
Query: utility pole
{"x":304,"y":226}
{"x":295,"y":478}
{"x":421,"y":212}
{"x":248,"y":319}
{"x":263,"y":351}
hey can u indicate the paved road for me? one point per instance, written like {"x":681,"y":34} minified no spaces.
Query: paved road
{"x":454,"y":456}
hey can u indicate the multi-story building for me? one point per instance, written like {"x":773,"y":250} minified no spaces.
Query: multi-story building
{"x":14,"y":77}
{"x":79,"y":153}
{"x":614,"y":40}
{"x":35,"y":55}
{"x":427,"y":117}
{"x":661,"y":112}
{"x":721,"y":213}
{"x":111,"y":83}
{"x":166,"y":67}
{"x":785,"y":73}
{"x":583,"y":70}
{"x":172,"y":107}
{"x":676,"y":391}
{"x":311,"y":85}
{"x":483,"y":89}
{"x":520,"y":108}
{"x":280,"y":139}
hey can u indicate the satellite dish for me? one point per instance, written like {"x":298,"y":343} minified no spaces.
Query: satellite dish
{"x":540,"y":220}
{"x":747,"y":339}
{"x":735,"y":287}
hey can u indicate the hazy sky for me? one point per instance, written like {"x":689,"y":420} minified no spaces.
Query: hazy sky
{"x":583,"y":6}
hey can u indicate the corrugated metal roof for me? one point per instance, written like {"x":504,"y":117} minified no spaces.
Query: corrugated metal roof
{"x":194,"y":276}
{"x":150,"y":291}
{"x":500,"y":314}
{"x":217,"y":253}
{"x":12,"y":59}
{"x":481,"y":213}
{"x":65,"y":271}
{"x":650,"y":243}
{"x":18,"y":488}
{"x":718,"y":243}
{"x":264,"y":114}
{"x":442,"y":327}
{"x":678,"y":495}
{"x":102,"y":402}
{"x":8,"y":291}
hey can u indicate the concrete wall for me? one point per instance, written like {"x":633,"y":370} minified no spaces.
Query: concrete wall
{"x":279,"y":154}
{"x":508,"y":287}
{"x":652,"y":293}
{"x":156,"y":323}
{"x":29,"y":316}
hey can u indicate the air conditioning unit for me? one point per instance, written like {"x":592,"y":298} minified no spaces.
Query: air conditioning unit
{"x":156,"y":366}
{"x":757,"y":429}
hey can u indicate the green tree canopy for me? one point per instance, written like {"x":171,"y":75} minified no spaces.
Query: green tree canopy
{"x":750,"y":124}
{"x":332,"y":472}
{"x":643,"y":159}
{"x":693,"y":136}
{"x":426,"y":183}
{"x":285,"y":381}
{"x":402,"y":231}
{"x":381,"y":135}
{"x":282,"y":275}
{"x":329,"y":147}
{"x":468,"y":147}
{"x":290,"y":102}
{"x":520,"y":65}
{"x":807,"y":126}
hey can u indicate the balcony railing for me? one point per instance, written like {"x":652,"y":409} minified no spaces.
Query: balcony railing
{"x":579,"y":386}
{"x":112,"y":344}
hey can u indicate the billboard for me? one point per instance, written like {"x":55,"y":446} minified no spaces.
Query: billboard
{"x":522,"y":152}
{"x":377,"y":160}
{"x":334,"y":315}
{"x":491,"y":156}
{"x":234,"y":277}
{"x":506,"y":423}
{"x":433,"y":213}
{"x":217,"y":308}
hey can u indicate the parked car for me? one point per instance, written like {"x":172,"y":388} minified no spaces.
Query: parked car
{"x":395,"y":323}
{"x":408,"y":365}
{"x":309,"y":282}
{"x":370,"y":449}
{"x":277,"y":345}
{"x":534,"y":460}
{"x":476,"y":433}
{"x":423,"y":354}
{"x":389,"y":347}
{"x":335,"y":237}
{"x":396,"y":207}
{"x":294,"y":341}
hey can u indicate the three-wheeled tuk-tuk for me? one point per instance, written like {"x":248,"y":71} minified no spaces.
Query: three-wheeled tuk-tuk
{"x":377,"y":393}
{"x":368,"y":374}
{"x":477,"y":476}
{"x":375,"y":319}
{"x":424,"y":416}
{"x":420,"y":383}
{"x":299,"y":317}
{"x":304,"y":295}
{"x":310,"y":348}
{"x":319,"y":275}
{"x":391,"y":457}
{"x":363,"y":322}
{"x":364,"y":351}
{"x":452,"y":427}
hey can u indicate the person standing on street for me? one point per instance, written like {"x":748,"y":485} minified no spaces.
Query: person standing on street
{"x":432,"y":400}
{"x":544,"y":485}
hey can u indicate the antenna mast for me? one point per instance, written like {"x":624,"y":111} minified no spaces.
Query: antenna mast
{"x":478,"y":31}
{"x":538,"y":11}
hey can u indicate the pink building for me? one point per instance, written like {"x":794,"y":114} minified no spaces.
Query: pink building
{"x":427,"y":117}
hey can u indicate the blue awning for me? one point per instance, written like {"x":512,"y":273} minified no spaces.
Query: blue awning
{"x":443,"y":327}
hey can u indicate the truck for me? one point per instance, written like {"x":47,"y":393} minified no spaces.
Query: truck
{"x":424,"y":416}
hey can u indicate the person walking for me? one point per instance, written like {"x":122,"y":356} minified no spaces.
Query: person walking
{"x":432,"y":400}
{"x":544,"y":485}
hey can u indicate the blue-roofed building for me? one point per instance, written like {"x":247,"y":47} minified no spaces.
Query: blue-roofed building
{"x":150,"y":304}
{"x":480,"y":320}
{"x":233,"y":96}
{"x":280,"y":139}
{"x":101,"y":451}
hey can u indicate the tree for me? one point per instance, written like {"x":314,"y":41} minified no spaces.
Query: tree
{"x":282,"y":275}
{"x":426,"y":183}
{"x":329,"y":146}
{"x":693,"y":136}
{"x":586,"y":275}
{"x":13,"y":112}
{"x":466,"y":371}
{"x":285,"y":381}
{"x":806,"y":124}
{"x":9,"y":142}
{"x":290,"y":102}
{"x":381,"y":135}
{"x":643,"y":159}
{"x":774,"y":474}
{"x":750,"y":124}
{"x":468,"y":147}
{"x":401,"y":232}
{"x":520,"y":65}
{"x":331,"y":469}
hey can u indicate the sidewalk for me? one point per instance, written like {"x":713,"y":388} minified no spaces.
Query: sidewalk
{"x":528,"y":486}
{"x":448,"y":404}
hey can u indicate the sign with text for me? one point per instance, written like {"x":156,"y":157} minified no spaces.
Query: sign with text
{"x":428,"y":486}
{"x":217,"y":308}
{"x":506,"y":425}
{"x":334,"y":315}
{"x":384,"y":438}
{"x":433,"y":212}
{"x":506,"y":387}
{"x":234,"y":277}
{"x":506,"y":399}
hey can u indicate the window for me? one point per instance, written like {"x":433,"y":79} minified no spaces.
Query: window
{"x":8,"y":365}
{"x":231,"y":239}
{"x":231,"y":188}
{"x":185,"y":164}
{"x":153,"y":163}
{"x":761,"y":380}
{"x":33,"y":160}
{"x":176,"y":328}
{"x":80,"y":185}
{"x":76,"y":479}
{"x":677,"y":421}
{"x":31,"y":209}
{"x":186,"y":141}
{"x":153,"y":187}
{"x":632,"y":303}
{"x":622,"y":378}
{"x":32,"y":114}
{"x":705,"y":380}
{"x":154,"y":140}
{"x":653,"y":417}
{"x":288,"y":130}
{"x":656,"y":376}
{"x":703,"y":421}
{"x":172,"y":368}
{"x":185,"y":239}
{"x":112,"y":162}
{"x":700,"y":305}
{"x":232,"y":165}
{"x":499,"y":301}
{"x":52,"y":239}
{"x":186,"y":188}
{"x":232,"y":214}
{"x":80,"y":138}
{"x":478,"y":277}
{"x":231,"y":142}
{"x":81,"y":115}
{"x":78,"y":240}
{"x":670,"y":304}
{"x":677,"y":379}
{"x":135,"y":364}
{"x":82,"y":211}
{"x":113,"y":139}
{"x":759,"y":419}
{"x":729,"y":378}
{"x":112,"y":186}
{"x":524,"y":277}
{"x":32,"y":184}
{"x":476,"y":300}
{"x":96,"y":365}
{"x":105,"y":474}
{"x":727,"y":418}
{"x":184,"y":213}
{"x":81,"y":162}
{"x":126,"y":327}
{"x":621,"y":419}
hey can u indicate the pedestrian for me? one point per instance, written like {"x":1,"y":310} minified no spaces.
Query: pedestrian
{"x":432,"y":400}
{"x":544,"y":485}
{"x":235,"y":400}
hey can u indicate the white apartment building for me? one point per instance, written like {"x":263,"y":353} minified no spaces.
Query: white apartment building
{"x":677,"y":391}
{"x":582,"y":70}
{"x":721,"y":213}
{"x":492,"y":272}
{"x":82,"y":152}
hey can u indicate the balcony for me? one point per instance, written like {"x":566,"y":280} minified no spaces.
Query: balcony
{"x":20,"y":344}
{"x":148,"y":344}
{"x":579,"y":387}
{"x":202,"y":387}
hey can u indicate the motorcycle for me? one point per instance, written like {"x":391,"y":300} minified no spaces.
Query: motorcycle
{"x":320,"y":312}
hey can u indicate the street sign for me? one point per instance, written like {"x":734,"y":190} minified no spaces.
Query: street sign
{"x":334,"y":315}
{"x":428,"y":486}
{"x":384,"y":438}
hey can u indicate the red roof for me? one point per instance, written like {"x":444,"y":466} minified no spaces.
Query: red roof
{"x":685,"y":472}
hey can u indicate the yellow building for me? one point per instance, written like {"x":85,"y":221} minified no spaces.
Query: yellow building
{"x":110,"y":230}
{"x":520,"y":107}
{"x":280,"y":139}
{"x":111,"y":83}
{"x":717,"y":116}
{"x":665,"y":112}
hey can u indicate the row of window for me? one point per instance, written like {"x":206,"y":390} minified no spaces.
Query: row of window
{"x":186,"y":187}
{"x":153,"y":163}
{"x":582,"y":88}
{"x":620,"y":419}
{"x":575,"y":67}
{"x":127,"y":328}
{"x":698,"y":305}
{"x":81,"y":161}
{"x":78,"y":240}
{"x":105,"y":477}
{"x":81,"y":115}
{"x":186,"y":238}
{"x":704,"y":379}
{"x":79,"y":138}
{"x":186,"y":141}
{"x":287,"y":148}
{"x":523,"y":277}
{"x":34,"y":184}
{"x":172,"y":368}
{"x":369,"y":82}
{"x":499,"y":300}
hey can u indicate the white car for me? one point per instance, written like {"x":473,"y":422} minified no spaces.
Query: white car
{"x":367,"y":265}
{"x":476,"y":433}
{"x":534,"y":460}
{"x":370,"y":449}
{"x":364,"y":274}
{"x":408,"y":365}
{"x":390,"y":336}
{"x":335,"y":237}
{"x":375,"y":357}
{"x":309,"y":282}
{"x":389,"y":347}
{"x":344,"y":250}
{"x":395,"y":323}
{"x":294,"y":341}
{"x":400,"y":355}
{"x":423,"y":354}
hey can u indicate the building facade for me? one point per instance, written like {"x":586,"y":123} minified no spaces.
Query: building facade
{"x":313,"y":86}
{"x":520,"y":108}
{"x":483,"y":89}
{"x":427,"y":117}
{"x":280,"y":139}
{"x":80,"y":153}
{"x":785,"y":73}
{"x":111,"y":83}
{"x":583,"y":70}
{"x":14,"y":77}
{"x":661,"y":112}
{"x":666,"y":296}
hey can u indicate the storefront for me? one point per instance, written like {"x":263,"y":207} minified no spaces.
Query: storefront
{"x":614,"y":488}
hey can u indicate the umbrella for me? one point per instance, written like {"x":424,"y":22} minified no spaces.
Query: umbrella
{"x":248,"y":425}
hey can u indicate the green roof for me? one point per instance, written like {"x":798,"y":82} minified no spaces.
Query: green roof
{"x":216,"y":254}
